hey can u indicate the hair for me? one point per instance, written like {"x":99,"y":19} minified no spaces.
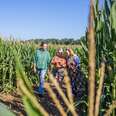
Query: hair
{"x":60,"y":49}
{"x":71,"y":51}
{"x":42,"y":43}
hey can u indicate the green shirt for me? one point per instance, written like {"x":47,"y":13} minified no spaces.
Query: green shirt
{"x":42,"y":59}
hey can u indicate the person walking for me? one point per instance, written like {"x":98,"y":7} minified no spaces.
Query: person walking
{"x":73,"y":69}
{"x":59,"y":65}
{"x":41,"y":63}
{"x":77,"y":78}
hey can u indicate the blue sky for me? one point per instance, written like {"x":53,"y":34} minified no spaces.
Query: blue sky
{"x":43,"y":18}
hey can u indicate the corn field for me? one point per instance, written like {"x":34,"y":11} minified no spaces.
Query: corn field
{"x":98,"y":64}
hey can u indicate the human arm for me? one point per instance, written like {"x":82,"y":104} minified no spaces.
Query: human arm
{"x":77,"y":60}
{"x":34,"y":62}
{"x":49,"y":61}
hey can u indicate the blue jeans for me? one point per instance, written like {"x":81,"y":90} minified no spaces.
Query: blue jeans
{"x":41,"y":74}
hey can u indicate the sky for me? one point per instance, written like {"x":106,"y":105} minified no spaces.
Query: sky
{"x":26,"y":19}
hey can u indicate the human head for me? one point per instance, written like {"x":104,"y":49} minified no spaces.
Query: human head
{"x":44,"y":45}
{"x":59,"y":52}
{"x":69,"y":52}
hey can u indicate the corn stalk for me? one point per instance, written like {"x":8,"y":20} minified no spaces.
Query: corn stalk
{"x":92,"y":62}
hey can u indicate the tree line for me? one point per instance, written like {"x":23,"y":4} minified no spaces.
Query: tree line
{"x":62,"y":41}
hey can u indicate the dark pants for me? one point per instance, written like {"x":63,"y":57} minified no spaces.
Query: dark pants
{"x":58,"y":73}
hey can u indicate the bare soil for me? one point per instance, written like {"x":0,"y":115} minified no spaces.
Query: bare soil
{"x":15,"y":104}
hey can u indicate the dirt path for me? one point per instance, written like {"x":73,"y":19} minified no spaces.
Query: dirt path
{"x":14,"y":103}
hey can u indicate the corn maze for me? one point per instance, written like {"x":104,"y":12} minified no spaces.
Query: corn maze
{"x":16,"y":59}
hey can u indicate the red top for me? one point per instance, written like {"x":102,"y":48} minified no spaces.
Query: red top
{"x":59,"y":62}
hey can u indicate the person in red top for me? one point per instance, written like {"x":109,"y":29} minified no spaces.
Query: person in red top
{"x":59,"y":63}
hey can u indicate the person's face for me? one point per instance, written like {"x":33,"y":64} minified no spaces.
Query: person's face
{"x":67,"y":53}
{"x":45,"y":46}
{"x":59,"y":53}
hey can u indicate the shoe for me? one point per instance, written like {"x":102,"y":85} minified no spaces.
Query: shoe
{"x":41,"y":95}
{"x":37,"y":93}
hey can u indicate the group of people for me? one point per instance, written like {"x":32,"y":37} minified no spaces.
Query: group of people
{"x":62,"y":61}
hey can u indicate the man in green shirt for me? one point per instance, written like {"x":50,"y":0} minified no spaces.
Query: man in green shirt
{"x":41,"y":64}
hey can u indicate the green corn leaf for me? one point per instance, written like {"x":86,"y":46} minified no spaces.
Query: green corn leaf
{"x":84,"y":47}
{"x":96,"y":8}
{"x":107,"y":9}
{"x":81,"y":102}
{"x":31,"y":111}
{"x":113,"y":16}
{"x":20,"y":70}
